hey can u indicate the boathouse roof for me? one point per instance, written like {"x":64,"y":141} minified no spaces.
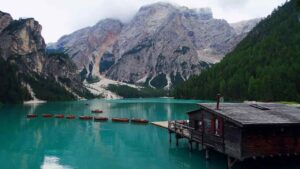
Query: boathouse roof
{"x":255,"y":114}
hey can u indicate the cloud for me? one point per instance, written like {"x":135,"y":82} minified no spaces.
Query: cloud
{"x":230,"y":4}
{"x":60,"y":17}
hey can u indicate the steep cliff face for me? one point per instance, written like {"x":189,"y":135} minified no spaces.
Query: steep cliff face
{"x":243,"y":27}
{"x":86,"y":46}
{"x":162,"y":45}
{"x":49,"y":76}
{"x":5,"y":20}
{"x":22,"y":39}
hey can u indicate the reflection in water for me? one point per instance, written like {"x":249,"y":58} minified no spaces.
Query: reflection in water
{"x":52,"y":162}
{"x":61,"y":143}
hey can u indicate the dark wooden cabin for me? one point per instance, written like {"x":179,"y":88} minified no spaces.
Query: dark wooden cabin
{"x":243,"y":131}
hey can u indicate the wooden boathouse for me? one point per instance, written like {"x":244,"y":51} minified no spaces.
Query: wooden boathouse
{"x":242,"y":131}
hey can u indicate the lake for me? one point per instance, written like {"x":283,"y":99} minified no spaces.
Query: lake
{"x":76,"y":144}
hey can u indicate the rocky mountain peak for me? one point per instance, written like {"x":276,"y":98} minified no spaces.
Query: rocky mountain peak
{"x":199,"y":13}
{"x":164,"y":7}
{"x":39,"y":75}
{"x":22,"y":38}
{"x":159,"y":6}
{"x":162,"y":45}
{"x":5,"y":20}
{"x":245,"y":26}
{"x":86,"y":46}
{"x":108,"y":23}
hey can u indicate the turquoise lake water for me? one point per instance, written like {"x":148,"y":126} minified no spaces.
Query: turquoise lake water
{"x":75,"y":144}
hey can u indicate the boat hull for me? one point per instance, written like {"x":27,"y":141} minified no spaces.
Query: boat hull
{"x":100,"y":118}
{"x":139,"y":121}
{"x":86,"y":118}
{"x":123,"y":120}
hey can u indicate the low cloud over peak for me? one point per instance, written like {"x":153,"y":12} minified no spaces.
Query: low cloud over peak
{"x":63,"y":17}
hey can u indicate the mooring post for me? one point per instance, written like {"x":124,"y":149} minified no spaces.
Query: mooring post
{"x":206,"y":154}
{"x":197,"y":146}
{"x":231,"y":162}
{"x":177,"y":140}
{"x":170,"y":137}
{"x":191,"y":145}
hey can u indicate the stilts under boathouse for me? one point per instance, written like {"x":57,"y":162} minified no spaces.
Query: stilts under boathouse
{"x":242,"y":131}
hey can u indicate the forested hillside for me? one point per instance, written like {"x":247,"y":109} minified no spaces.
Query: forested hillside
{"x":11,"y":90}
{"x":265,"y":66}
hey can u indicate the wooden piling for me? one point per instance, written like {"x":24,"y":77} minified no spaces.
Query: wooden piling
{"x":206,"y":154}
{"x":191,"y":145}
{"x":231,"y":162}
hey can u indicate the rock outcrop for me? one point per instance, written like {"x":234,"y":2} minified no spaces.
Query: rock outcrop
{"x":22,"y":39}
{"x":5,"y":20}
{"x":86,"y":46}
{"x":22,"y":46}
{"x":243,"y":27}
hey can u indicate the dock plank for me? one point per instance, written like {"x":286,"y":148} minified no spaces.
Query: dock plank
{"x":162,"y":124}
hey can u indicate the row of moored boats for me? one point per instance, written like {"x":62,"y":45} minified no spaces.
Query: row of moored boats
{"x":95,"y":118}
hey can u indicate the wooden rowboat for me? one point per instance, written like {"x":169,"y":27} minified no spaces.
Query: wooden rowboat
{"x":86,"y":117}
{"x":97,"y":111}
{"x":100,"y":118}
{"x":47,"y":115}
{"x":125,"y":120}
{"x":31,"y":115}
{"x":71,"y":116}
{"x":140,"y":121}
{"x":59,"y":116}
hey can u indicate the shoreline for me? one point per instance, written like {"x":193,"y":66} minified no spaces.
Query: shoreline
{"x":34,"y":102}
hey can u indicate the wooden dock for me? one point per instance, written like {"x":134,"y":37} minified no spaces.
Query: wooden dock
{"x":162,"y":124}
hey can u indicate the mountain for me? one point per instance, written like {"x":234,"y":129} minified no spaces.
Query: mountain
{"x":264,"y":66}
{"x":27,"y":71}
{"x":88,"y":45}
{"x":5,"y":20}
{"x":243,"y":27}
{"x":161,"y":46}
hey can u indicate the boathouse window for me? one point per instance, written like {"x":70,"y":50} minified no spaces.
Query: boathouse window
{"x":199,"y":125}
{"x":216,"y":126}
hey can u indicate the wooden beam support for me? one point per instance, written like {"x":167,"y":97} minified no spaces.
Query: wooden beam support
{"x":230,"y":162}
{"x":191,"y":145}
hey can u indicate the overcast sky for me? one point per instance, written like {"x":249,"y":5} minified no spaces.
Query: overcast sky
{"x":59,"y":17}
